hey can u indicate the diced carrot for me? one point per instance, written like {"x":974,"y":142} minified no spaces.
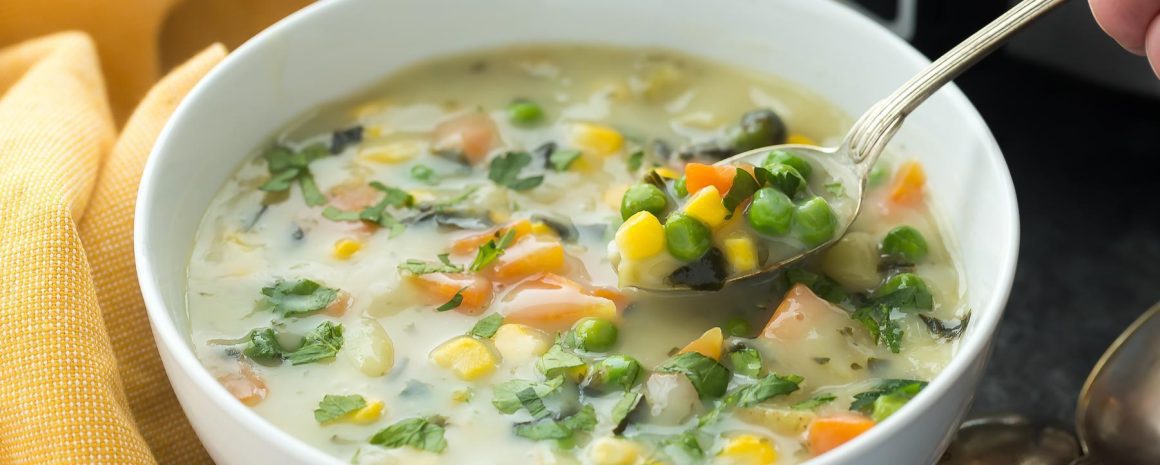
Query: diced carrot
{"x":553,"y":303}
{"x":469,"y":244}
{"x":352,"y":197}
{"x":698,"y":175}
{"x":244,"y":385}
{"x":709,"y":344}
{"x":442,"y":287}
{"x":339,"y":306}
{"x":826,"y":433}
{"x":908,"y":183}
{"x":473,"y":135}
{"x":799,"y":312}
{"x":528,"y":256}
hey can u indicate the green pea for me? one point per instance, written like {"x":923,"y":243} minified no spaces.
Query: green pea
{"x":525,"y":112}
{"x":679,"y":187}
{"x":814,"y":222}
{"x":737,"y":327}
{"x":758,"y":128}
{"x":616,"y":372}
{"x":878,"y":174}
{"x":687,"y":238}
{"x":643,"y":197}
{"x":786,"y":178}
{"x":594,"y":334}
{"x":906,"y":243}
{"x":885,"y":405}
{"x":798,"y":163}
{"x":771,"y":212}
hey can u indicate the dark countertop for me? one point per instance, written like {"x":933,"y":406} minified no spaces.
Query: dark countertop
{"x":1085,"y":161}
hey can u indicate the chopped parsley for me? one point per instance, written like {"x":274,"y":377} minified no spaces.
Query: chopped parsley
{"x":548,"y":428}
{"x":814,"y":402}
{"x":298,"y":297}
{"x":635,"y":159}
{"x":557,"y":361}
{"x":505,"y":171}
{"x":320,"y":344}
{"x":487,"y":327}
{"x":746,"y":361}
{"x":420,"y":433}
{"x":287,"y":166}
{"x":887,"y":397}
{"x":455,"y":301}
{"x":708,"y":377}
{"x":491,"y":250}
{"x":905,"y":291}
{"x":744,"y":186}
{"x":560,"y":160}
{"x":263,"y":347}
{"x":821,"y":285}
{"x":880,"y":321}
{"x":377,"y":213}
{"x":772,"y":385}
{"x":623,"y":408}
{"x":418,"y":267}
{"x":333,"y":407}
{"x":506,"y":399}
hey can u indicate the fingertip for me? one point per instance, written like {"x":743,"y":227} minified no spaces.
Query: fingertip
{"x":1125,"y":20}
{"x":1152,"y":45}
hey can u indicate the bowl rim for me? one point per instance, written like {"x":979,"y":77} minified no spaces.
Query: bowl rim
{"x":171,"y":340}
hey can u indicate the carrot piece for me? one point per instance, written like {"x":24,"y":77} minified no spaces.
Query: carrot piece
{"x":526,"y":257}
{"x":244,"y":385}
{"x":339,"y":306}
{"x":471,"y":243}
{"x":908,"y":183}
{"x":698,"y":176}
{"x":826,"y":433}
{"x":799,"y":312}
{"x":442,"y":287}
{"x":709,"y":344}
{"x":553,"y":303}
{"x":473,"y":135}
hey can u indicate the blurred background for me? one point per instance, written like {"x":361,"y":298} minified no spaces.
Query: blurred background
{"x":1089,"y":260}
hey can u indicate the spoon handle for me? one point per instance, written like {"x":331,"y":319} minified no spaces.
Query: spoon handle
{"x":869,"y":135}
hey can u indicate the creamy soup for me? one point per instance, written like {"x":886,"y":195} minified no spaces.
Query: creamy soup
{"x":425,"y":274}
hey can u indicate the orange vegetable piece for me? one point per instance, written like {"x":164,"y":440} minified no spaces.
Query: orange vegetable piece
{"x":828,"y":432}
{"x":698,"y":175}
{"x":908,"y":183}
{"x":244,"y":385}
{"x":528,"y":256}
{"x":442,"y":287}
{"x":553,"y":303}
{"x":469,"y":244}
{"x":473,"y":135}
{"x":352,"y":197}
{"x":799,"y":312}
{"x":339,"y":306}
{"x":709,"y":344}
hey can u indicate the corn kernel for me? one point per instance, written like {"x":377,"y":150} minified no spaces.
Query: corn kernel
{"x":369,"y":109}
{"x":596,"y":139}
{"x":542,"y":229}
{"x":466,"y":357}
{"x":394,"y":152}
{"x":520,"y":343}
{"x":346,"y":248}
{"x":613,"y":451}
{"x":368,"y":414}
{"x":747,"y":449}
{"x":498,"y":216}
{"x":373,"y":131}
{"x":801,"y":139}
{"x":667,"y":173}
{"x":706,"y":206}
{"x":741,"y":253}
{"x":423,"y":196}
{"x":641,"y":236}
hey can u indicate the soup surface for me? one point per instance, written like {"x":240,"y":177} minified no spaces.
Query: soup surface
{"x":424,"y":275}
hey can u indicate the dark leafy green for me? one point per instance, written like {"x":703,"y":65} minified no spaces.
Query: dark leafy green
{"x":746,"y":361}
{"x":263,"y":347}
{"x":420,"y":433}
{"x":864,"y":402}
{"x":557,"y":361}
{"x":904,"y":291}
{"x":743,"y":188}
{"x":487,"y":326}
{"x":505,"y":171}
{"x":454,"y":302}
{"x":883,"y":327}
{"x":333,"y":407}
{"x":709,"y":377}
{"x":547,"y":428}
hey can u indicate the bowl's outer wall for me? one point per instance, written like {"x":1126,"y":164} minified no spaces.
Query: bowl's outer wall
{"x":333,"y":48}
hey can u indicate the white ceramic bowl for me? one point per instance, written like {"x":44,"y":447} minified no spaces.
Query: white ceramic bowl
{"x":335,"y":47}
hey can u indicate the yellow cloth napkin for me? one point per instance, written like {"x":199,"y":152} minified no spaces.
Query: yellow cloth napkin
{"x":80,"y":378}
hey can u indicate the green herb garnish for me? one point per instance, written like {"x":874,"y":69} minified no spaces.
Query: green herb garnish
{"x":561,"y":159}
{"x":708,"y":377}
{"x":547,"y":428}
{"x":505,"y":171}
{"x":334,"y":407}
{"x":505,"y":396}
{"x":487,"y":327}
{"x":491,"y":250}
{"x":746,"y":361}
{"x":455,"y":301}
{"x":557,"y":360}
{"x":297,"y":298}
{"x":424,"y":174}
{"x":420,"y":433}
{"x":883,"y":328}
{"x":263,"y":347}
{"x":814,"y":402}
{"x":287,"y":166}
{"x":418,"y":267}
{"x":887,"y":397}
{"x":624,"y":407}
{"x":904,"y":291}
{"x":743,"y":188}
{"x":821,"y":285}
{"x":635,"y":159}
{"x":772,"y":385}
{"x":320,"y":344}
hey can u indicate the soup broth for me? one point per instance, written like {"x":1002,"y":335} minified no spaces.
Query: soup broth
{"x":422,"y":274}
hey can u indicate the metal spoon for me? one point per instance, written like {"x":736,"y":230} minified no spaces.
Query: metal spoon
{"x":851,"y":162}
{"x":1117,"y":416}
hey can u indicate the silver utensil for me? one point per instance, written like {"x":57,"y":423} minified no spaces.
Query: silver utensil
{"x":1117,"y":416}
{"x":850,"y":163}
